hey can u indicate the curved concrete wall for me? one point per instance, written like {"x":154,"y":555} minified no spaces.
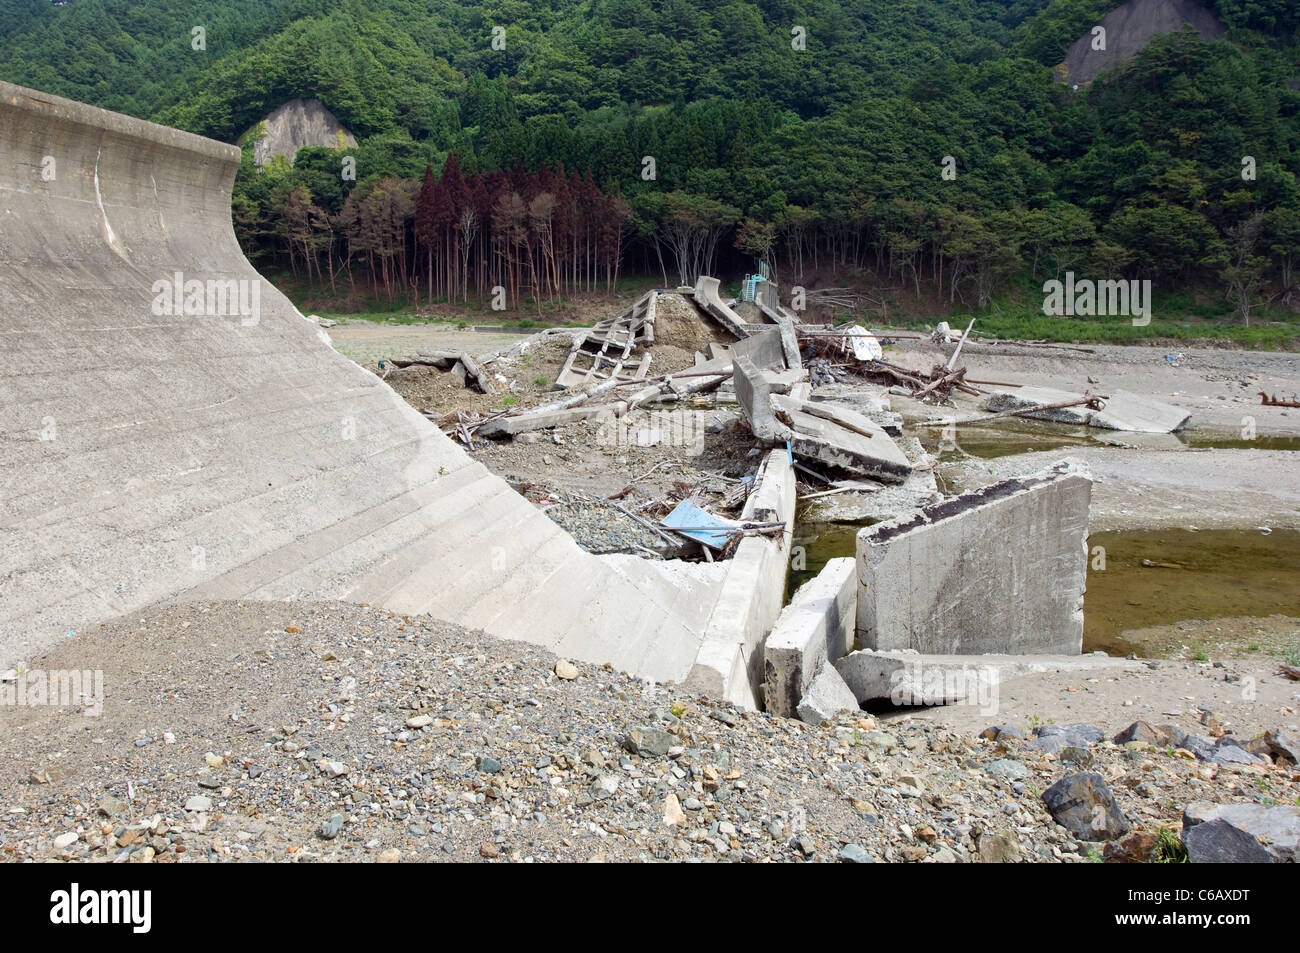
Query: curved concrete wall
{"x":146,"y":456}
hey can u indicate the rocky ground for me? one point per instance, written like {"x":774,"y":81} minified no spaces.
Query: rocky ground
{"x":264,"y":731}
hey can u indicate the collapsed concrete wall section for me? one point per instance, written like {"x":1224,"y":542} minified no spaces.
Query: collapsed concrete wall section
{"x":1001,"y":569}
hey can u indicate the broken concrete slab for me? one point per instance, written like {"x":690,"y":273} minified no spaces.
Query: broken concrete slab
{"x":763,"y":348}
{"x":866,"y":399}
{"x":780,"y":382}
{"x":1123,"y":410}
{"x":708,"y":298}
{"x":842,"y":438}
{"x":814,"y":629}
{"x":913,"y":678}
{"x":826,"y":697}
{"x":524,"y":423}
{"x":1000,"y":569}
{"x":1276,"y":826}
{"x":754,"y":395}
{"x":875,"y":501}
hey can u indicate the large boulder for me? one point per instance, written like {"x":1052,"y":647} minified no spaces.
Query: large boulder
{"x":1085,"y":806}
{"x":1276,"y":827}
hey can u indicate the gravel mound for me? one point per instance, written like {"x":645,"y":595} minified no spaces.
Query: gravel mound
{"x":270,"y":731}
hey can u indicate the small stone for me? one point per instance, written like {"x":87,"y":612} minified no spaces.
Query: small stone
{"x":1009,"y":769}
{"x":1074,"y":755}
{"x":169,"y":738}
{"x":489,"y":851}
{"x":390,"y":856}
{"x":692,"y":804}
{"x":488,"y":765}
{"x":999,"y":848}
{"x":333,"y":769}
{"x":909,"y":785}
{"x":649,"y":742}
{"x":214,"y":760}
{"x":198,"y":804}
{"x":330,"y":828}
{"x":64,"y":841}
{"x":566,"y":670}
{"x":293,"y":630}
{"x":1001,"y":733}
{"x":674,"y":816}
{"x":419,"y":721}
{"x":112,"y":807}
{"x":854,"y":854}
{"x":1136,"y":848}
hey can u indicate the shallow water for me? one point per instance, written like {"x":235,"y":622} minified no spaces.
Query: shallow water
{"x":1004,"y":438}
{"x":1199,"y":574}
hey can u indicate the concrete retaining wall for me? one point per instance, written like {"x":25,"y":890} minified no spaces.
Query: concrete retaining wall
{"x":148,"y":454}
{"x":1001,"y":569}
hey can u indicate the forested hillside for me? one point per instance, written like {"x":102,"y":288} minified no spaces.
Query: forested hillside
{"x":922,"y":147}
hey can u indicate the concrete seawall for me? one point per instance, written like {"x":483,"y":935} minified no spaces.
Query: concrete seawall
{"x":222,"y":453}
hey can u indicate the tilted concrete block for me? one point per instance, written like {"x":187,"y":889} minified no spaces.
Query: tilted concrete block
{"x":815,"y":628}
{"x":827,"y":696}
{"x":1000,"y":569}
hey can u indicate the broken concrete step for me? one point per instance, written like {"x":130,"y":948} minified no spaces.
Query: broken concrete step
{"x":912,"y":678}
{"x":815,"y":628}
{"x":826,"y":697}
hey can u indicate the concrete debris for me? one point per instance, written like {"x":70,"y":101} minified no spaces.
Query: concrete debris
{"x":814,"y":629}
{"x":1000,"y":569}
{"x":912,"y":678}
{"x":605,"y":352}
{"x":458,"y":362}
{"x":826,"y":697}
{"x":842,"y":438}
{"x":1121,"y":410}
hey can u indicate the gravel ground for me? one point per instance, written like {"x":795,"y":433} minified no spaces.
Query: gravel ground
{"x":265,"y":731}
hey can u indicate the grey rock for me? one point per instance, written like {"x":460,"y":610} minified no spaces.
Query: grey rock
{"x":1276,"y":826}
{"x":853,"y":854}
{"x":1283,"y":745}
{"x":1052,"y":738}
{"x":488,"y":765}
{"x":199,"y":804}
{"x":1009,"y":769}
{"x":1220,"y":842}
{"x":331,"y":827}
{"x":1230,"y":754}
{"x":1084,"y":805}
{"x":649,"y":742}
